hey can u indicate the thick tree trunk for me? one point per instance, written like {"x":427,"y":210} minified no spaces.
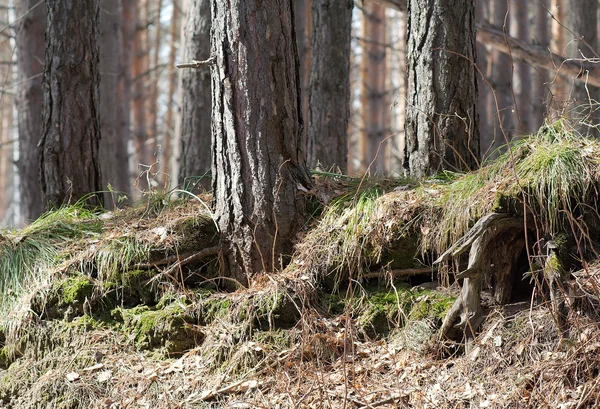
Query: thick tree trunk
{"x":329,"y":99}
{"x":442,"y":129}
{"x":30,"y":97}
{"x":258,"y":161}
{"x":68,"y":148}
{"x":195,"y":156}
{"x":113,"y":146}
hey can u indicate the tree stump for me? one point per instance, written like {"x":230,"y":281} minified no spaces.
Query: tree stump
{"x":495,"y":243}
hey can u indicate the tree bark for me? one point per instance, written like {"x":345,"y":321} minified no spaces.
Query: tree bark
{"x":30,"y":29}
{"x":519,"y":28}
{"x":583,"y":20}
{"x":195,"y":159}
{"x":539,"y":89}
{"x":303,"y":21}
{"x":69,"y":163}
{"x":124,"y":91}
{"x":258,"y":160}
{"x":6,"y":123}
{"x":329,"y":99}
{"x":169,"y":131}
{"x":113,"y":146}
{"x":374,"y":101}
{"x":442,"y":130}
{"x":140,"y":70}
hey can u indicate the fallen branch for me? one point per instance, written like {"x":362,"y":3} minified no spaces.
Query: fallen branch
{"x":182,"y":259}
{"x":400,"y":272}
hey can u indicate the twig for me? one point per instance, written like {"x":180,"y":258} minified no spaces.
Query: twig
{"x":182,"y":259}
{"x":197,"y":64}
{"x":382,"y":402}
{"x":235,"y":385}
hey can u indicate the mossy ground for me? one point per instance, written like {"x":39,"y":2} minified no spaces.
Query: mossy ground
{"x":105,"y":297}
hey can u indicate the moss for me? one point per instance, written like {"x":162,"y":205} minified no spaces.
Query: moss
{"x":74,"y":289}
{"x":165,"y":328}
{"x":213,"y":308}
{"x":430,"y":304}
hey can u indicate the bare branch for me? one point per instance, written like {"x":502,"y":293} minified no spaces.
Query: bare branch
{"x":197,"y":64}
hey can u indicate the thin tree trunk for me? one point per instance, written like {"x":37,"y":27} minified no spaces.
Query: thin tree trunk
{"x":124,"y":92}
{"x":486,"y":102}
{"x":539,"y":90}
{"x":6,"y":122}
{"x":172,"y":80}
{"x":560,"y":87}
{"x":195,"y":159}
{"x":31,"y":25}
{"x":442,"y":129}
{"x":397,"y":25}
{"x":113,"y":148}
{"x":583,"y":21}
{"x":375,"y":121}
{"x":501,"y":79}
{"x":519,"y":28}
{"x":68,"y":148}
{"x":154,"y":79}
{"x":259,"y":166}
{"x":303,"y":21}
{"x":140,"y":70}
{"x":329,"y":99}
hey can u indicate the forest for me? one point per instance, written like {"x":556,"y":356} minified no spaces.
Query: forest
{"x":299,"y":204}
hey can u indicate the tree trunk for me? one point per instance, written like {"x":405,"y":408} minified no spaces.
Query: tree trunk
{"x":154,"y":78}
{"x":519,"y":28}
{"x":303,"y":21}
{"x":258,"y":160}
{"x":583,"y":20}
{"x":442,"y":129}
{"x":113,"y":147}
{"x":486,"y":101}
{"x":501,"y":80}
{"x":30,"y":97}
{"x":397,"y":24}
{"x":140,"y":71}
{"x":68,"y":148}
{"x":124,"y":92}
{"x":172,"y":81}
{"x":375,"y":107}
{"x":195,"y":159}
{"x":6,"y":122}
{"x":540,"y":78}
{"x":329,"y":99}
{"x":558,"y":44}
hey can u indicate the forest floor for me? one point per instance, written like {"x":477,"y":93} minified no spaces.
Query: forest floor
{"x":128,"y":309}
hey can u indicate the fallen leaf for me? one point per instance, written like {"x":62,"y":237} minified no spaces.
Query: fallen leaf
{"x":72,"y":376}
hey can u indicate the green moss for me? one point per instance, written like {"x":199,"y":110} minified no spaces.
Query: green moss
{"x":430,"y":304}
{"x":74,"y":290}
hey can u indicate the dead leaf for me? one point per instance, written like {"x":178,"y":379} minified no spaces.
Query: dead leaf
{"x":72,"y":376}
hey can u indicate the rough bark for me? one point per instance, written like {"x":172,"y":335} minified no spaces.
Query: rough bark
{"x":486,"y":117}
{"x":303,"y":21}
{"x":195,"y":156}
{"x":113,"y":146}
{"x":258,"y":161}
{"x":68,"y":148}
{"x":442,"y":130}
{"x":30,"y":62}
{"x":374,"y":101}
{"x":329,"y":99}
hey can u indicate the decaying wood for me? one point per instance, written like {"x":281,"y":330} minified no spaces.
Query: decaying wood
{"x":182,"y":259}
{"x":495,"y":243}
